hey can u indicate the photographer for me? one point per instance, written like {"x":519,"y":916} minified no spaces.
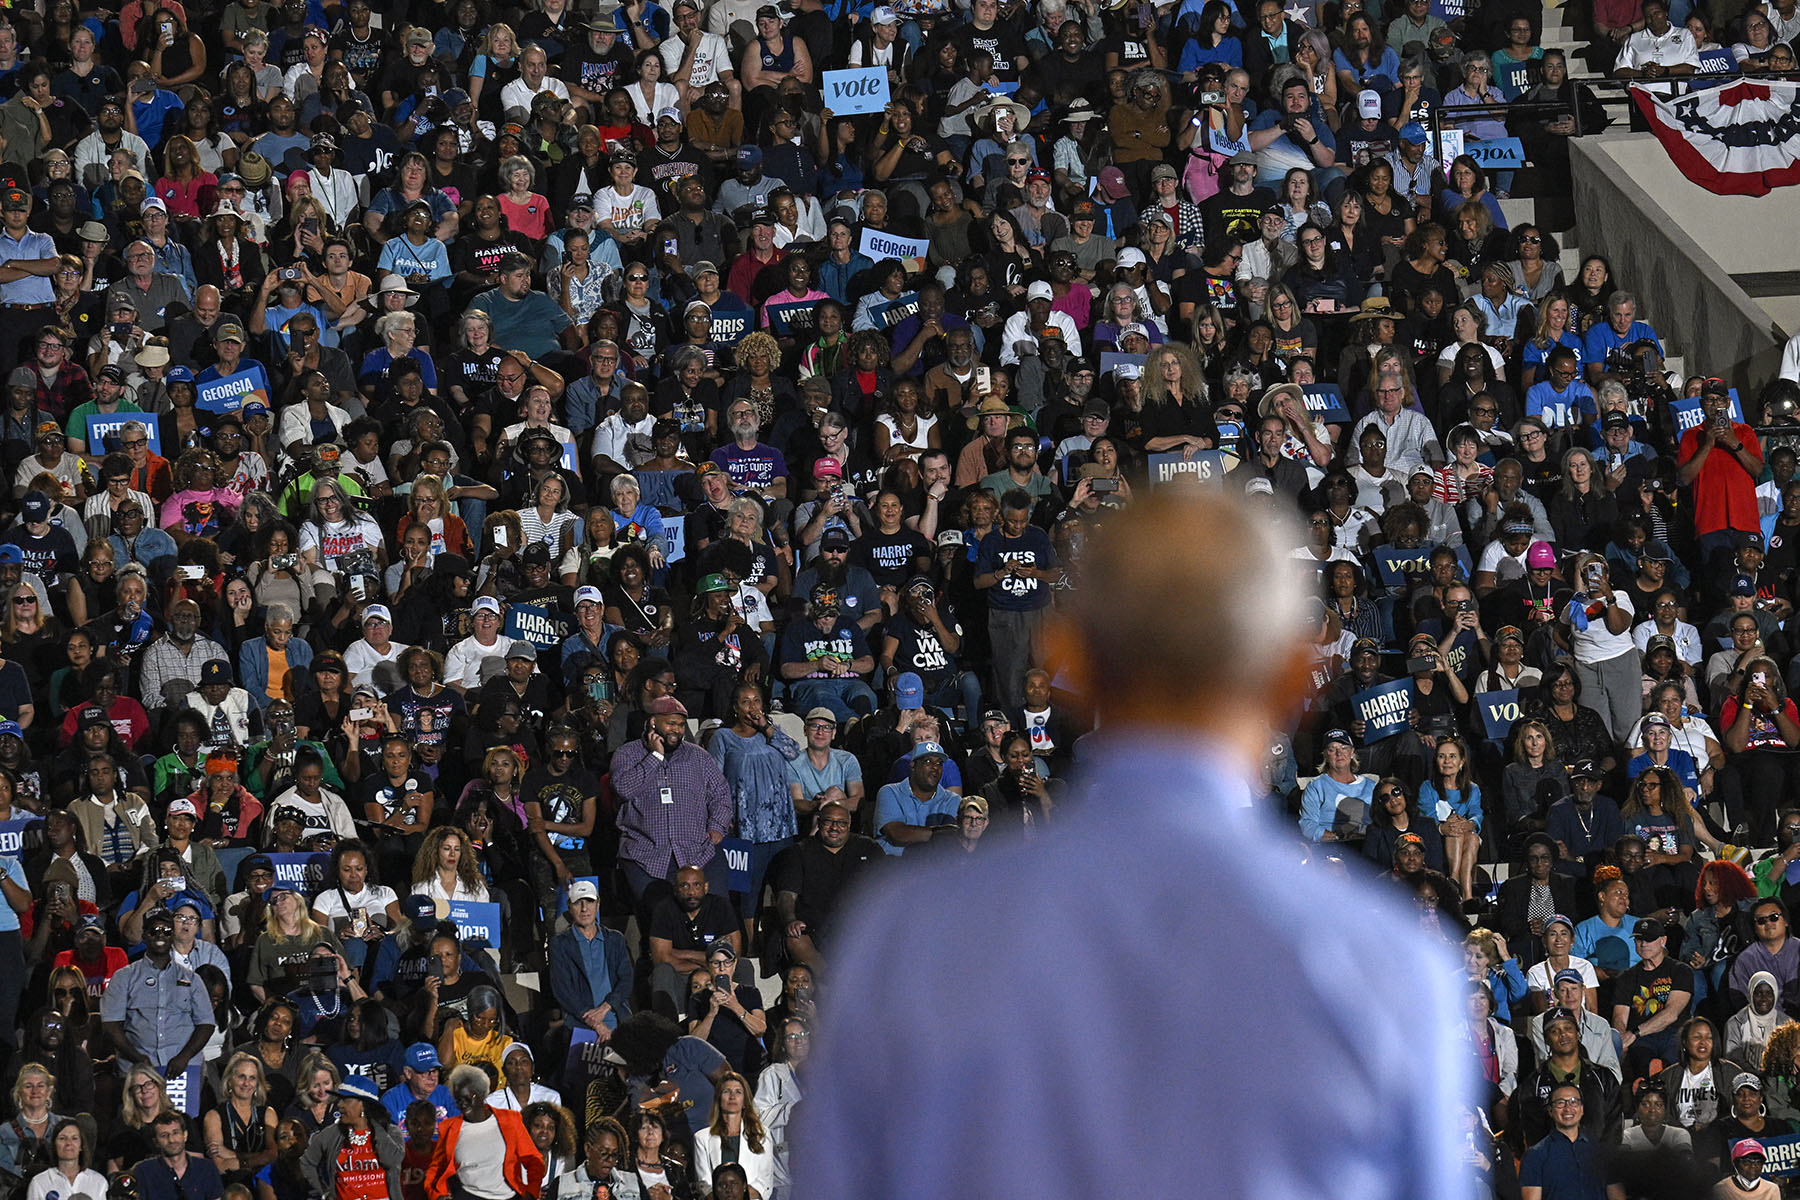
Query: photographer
{"x":1598,"y":621}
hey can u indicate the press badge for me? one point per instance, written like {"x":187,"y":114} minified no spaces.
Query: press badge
{"x":666,"y":794}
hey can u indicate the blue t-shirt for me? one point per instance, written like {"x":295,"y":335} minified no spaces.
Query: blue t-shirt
{"x":1559,"y":409}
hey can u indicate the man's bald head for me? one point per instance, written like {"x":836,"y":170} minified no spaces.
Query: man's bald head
{"x":1228,"y":656}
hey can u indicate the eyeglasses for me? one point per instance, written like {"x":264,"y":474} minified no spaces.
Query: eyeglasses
{"x":797,"y":1036}
{"x":1531,"y":239}
{"x":504,"y":378}
{"x":637,"y":279}
{"x":1533,"y":433}
{"x":70,"y":991}
{"x":1566,"y":1102}
{"x":1768,"y":918}
{"x":24,"y":601}
{"x":1484,"y":412}
{"x":129,"y":442}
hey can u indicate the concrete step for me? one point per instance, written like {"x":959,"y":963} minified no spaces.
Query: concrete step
{"x":1519,"y":210}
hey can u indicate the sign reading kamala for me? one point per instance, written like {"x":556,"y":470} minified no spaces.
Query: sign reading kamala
{"x":1207,"y":466}
{"x":1742,"y":139}
{"x":1324,"y":401}
{"x":857,"y":90}
{"x":101,"y":426}
{"x":230,"y":392}
{"x":879,"y":244}
{"x":1384,"y":709}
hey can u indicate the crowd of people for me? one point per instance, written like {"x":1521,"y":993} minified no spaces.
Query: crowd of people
{"x":516,"y":514}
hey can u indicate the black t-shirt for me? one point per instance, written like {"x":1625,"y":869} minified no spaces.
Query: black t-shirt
{"x":1645,"y":990}
{"x":818,"y":877}
{"x":920,"y":650}
{"x":1002,"y":41}
{"x":1226,"y":215}
{"x":560,"y":799}
{"x":597,"y":72}
{"x":378,"y":789}
{"x":889,"y":557}
{"x":483,"y":255}
{"x":713,"y":920}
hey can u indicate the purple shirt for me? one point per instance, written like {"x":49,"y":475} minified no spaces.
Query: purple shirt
{"x":759,"y":466}
{"x":651,"y":832}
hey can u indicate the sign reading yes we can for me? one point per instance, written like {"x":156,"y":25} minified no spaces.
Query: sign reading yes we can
{"x":856,"y":90}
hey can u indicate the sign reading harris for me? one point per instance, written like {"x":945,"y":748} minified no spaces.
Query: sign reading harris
{"x":231,"y":392}
{"x":856,"y":90}
{"x":1206,"y":466}
{"x":536,"y":624}
{"x":1384,"y":709}
{"x":879,"y":244}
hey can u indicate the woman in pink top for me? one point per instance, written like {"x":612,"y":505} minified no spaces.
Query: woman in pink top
{"x":186,"y":188}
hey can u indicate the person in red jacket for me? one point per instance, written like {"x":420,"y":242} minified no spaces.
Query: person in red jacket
{"x":485,"y":1154}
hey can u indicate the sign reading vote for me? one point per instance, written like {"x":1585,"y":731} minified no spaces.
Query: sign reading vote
{"x":536,"y":624}
{"x":1499,"y":710}
{"x":1383,"y":710}
{"x":1497,"y":153}
{"x":1688,"y":413}
{"x":879,"y":244}
{"x":231,"y":392}
{"x":856,"y":90}
{"x":1395,"y":563}
{"x":476,"y":921}
{"x":1207,"y":466}
{"x":1324,"y":401}
{"x":101,"y":426}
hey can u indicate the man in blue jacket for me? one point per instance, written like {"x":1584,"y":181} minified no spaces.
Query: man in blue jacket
{"x":590,"y":969}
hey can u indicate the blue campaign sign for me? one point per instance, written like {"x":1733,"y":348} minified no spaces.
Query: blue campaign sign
{"x":737,"y":860}
{"x":674,"y":539}
{"x":12,"y":834}
{"x":1514,"y":80}
{"x":1207,"y":466}
{"x":476,"y":920}
{"x":1688,"y":413}
{"x":184,"y":1089}
{"x":1717,"y":61}
{"x":305,"y":871}
{"x":101,"y":426}
{"x":891,"y":313}
{"x":879,"y":244}
{"x":728,"y":328}
{"x":1498,"y":712}
{"x":562,"y":893}
{"x":538,"y":624}
{"x":856,"y":90}
{"x":1383,"y":709}
{"x":794,"y":317}
{"x":1394,"y":563}
{"x":1497,"y":153}
{"x":1324,"y":401}
{"x":1781,"y":1156}
{"x":230,"y":392}
{"x":1449,"y":10}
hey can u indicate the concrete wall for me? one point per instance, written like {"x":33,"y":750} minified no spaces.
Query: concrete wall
{"x":1677,"y":245}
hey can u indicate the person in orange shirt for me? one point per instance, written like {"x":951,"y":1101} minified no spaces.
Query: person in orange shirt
{"x":484,"y":1154}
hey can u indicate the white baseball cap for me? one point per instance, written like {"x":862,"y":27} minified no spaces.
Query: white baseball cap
{"x":1368,"y":105}
{"x":583,"y":889}
{"x":1131,"y":256}
{"x":377,"y":612}
{"x":588,"y":592}
{"x":1039,"y":291}
{"x":485,"y":604}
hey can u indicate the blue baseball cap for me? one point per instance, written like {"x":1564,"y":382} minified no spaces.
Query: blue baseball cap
{"x":909,"y":690}
{"x":927,"y":749}
{"x":11,"y":727}
{"x":178,"y":375}
{"x":1413,"y":132}
{"x":359,"y":1087}
{"x":422,"y":1056}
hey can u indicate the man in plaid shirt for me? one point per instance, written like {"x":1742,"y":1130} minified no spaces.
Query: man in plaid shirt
{"x":674,"y":807}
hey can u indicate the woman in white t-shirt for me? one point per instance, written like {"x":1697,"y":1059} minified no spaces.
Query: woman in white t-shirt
{"x":335,"y":532}
{"x":354,"y":908}
{"x":1606,"y":659}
